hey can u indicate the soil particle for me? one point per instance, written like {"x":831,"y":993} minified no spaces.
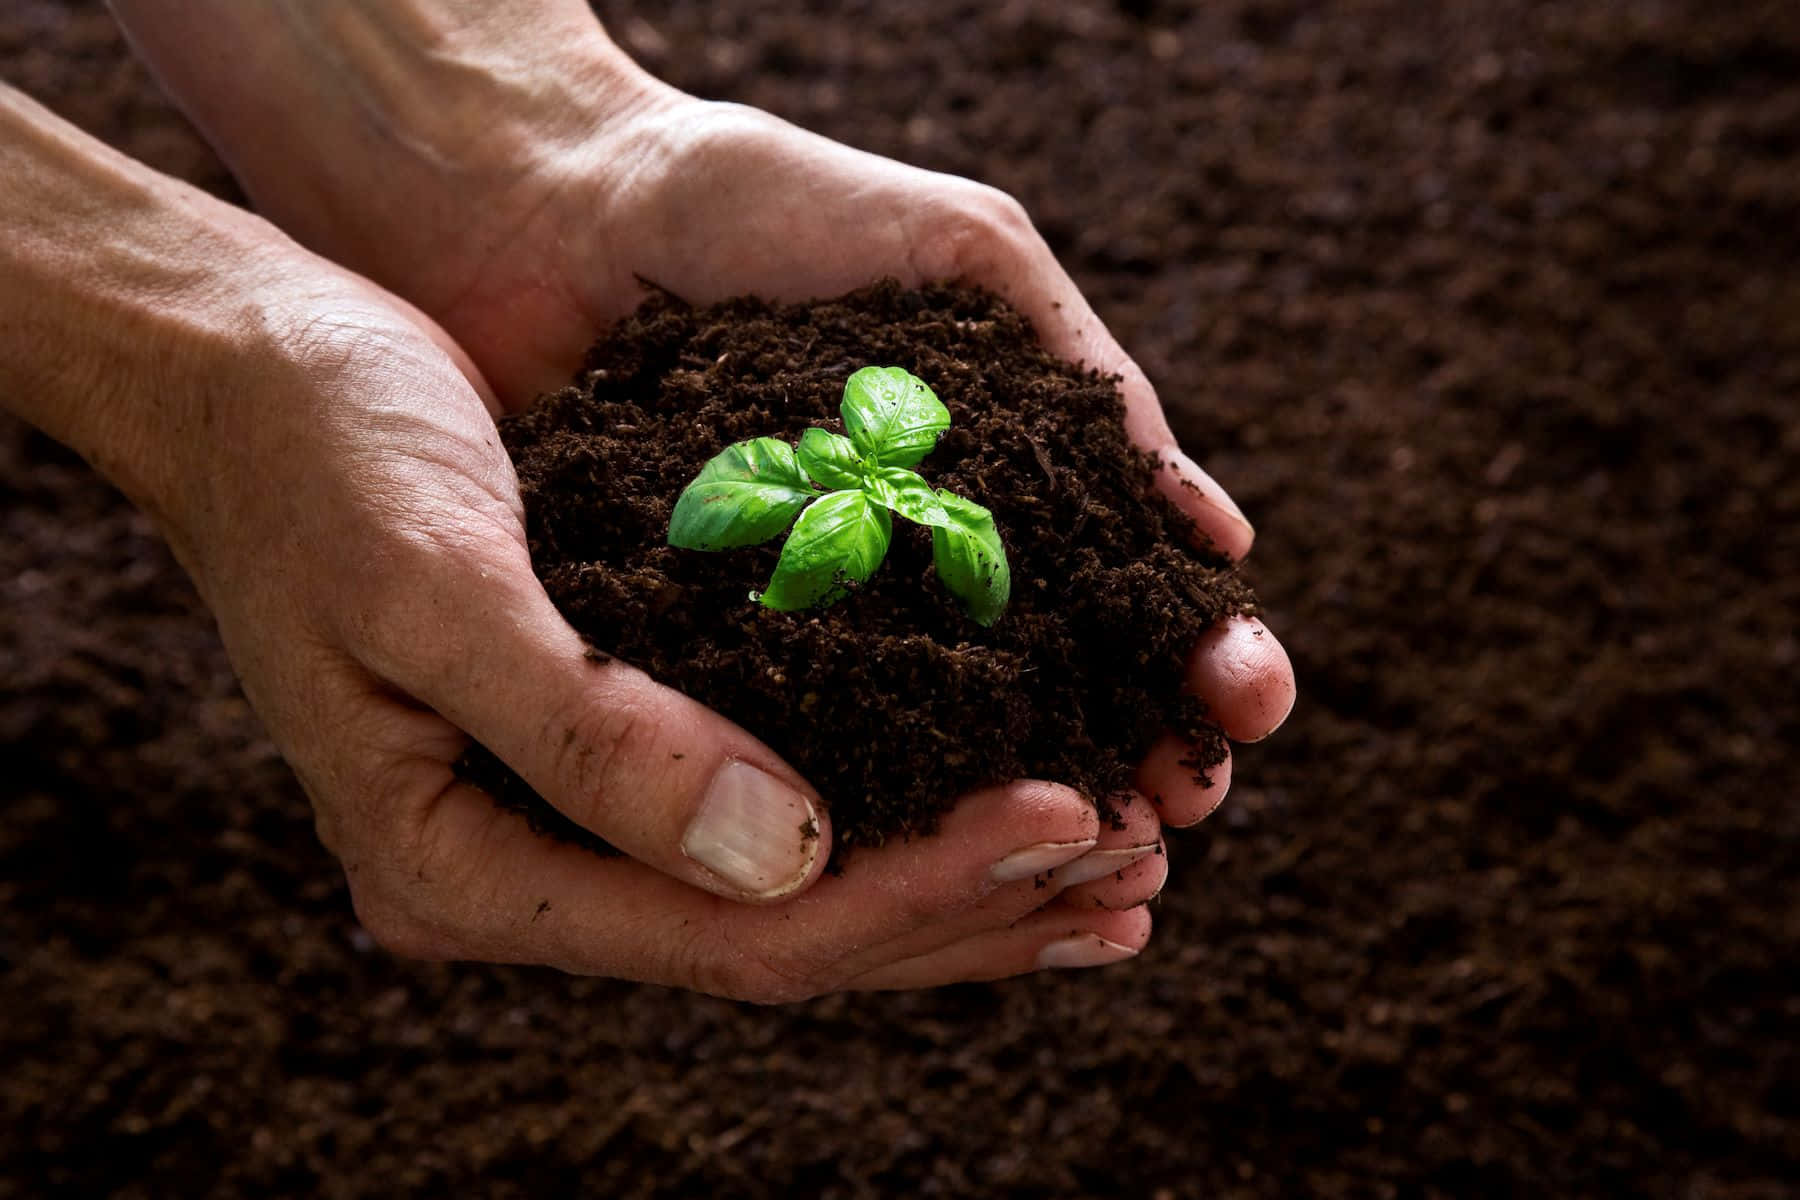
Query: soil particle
{"x":891,"y":702}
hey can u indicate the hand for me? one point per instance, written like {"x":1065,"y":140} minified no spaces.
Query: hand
{"x":713,"y":200}
{"x":529,"y":207}
{"x":324,"y":462}
{"x":363,"y":550}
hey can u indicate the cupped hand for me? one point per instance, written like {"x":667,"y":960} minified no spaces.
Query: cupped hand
{"x":530,"y":178}
{"x":362,"y":545}
{"x":330,"y":473}
{"x":714,"y":200}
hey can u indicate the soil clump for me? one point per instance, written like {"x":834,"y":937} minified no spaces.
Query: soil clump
{"x":891,"y":702}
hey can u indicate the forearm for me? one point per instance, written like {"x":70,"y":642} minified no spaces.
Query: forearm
{"x":116,"y":283}
{"x":365,"y":128}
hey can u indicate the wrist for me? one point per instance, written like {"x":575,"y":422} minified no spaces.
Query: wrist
{"x":129,"y":304}
{"x":377,"y":131}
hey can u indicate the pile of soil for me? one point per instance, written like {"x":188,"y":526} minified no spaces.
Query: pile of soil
{"x":891,"y":702}
{"x":1484,"y":310}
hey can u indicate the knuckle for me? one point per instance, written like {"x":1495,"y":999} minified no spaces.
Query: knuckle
{"x":408,"y":880}
{"x":383,"y":800}
{"x":371,"y":789}
{"x":396,"y":929}
{"x":1004,"y":215}
{"x":334,"y":334}
{"x":984,"y":227}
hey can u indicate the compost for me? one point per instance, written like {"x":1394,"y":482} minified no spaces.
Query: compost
{"x":891,"y":702}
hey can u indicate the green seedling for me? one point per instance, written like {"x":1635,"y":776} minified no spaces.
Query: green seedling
{"x":842,"y":489}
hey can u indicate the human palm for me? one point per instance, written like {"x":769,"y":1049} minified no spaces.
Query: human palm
{"x":530,"y":178}
{"x":715,"y":200}
{"x":712,"y":200}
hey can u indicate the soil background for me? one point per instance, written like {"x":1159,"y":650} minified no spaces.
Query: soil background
{"x":1487,"y":311}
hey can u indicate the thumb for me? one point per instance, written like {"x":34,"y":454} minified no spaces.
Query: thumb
{"x":658,"y":775}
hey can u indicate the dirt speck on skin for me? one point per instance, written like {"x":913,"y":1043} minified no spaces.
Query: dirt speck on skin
{"x":891,"y":702}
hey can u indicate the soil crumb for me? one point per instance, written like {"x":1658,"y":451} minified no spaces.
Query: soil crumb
{"x":892,"y":702}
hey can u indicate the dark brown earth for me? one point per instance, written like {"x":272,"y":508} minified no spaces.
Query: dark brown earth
{"x":1488,"y":313}
{"x":892,"y":702}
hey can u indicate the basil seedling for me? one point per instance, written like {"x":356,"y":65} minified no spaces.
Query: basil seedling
{"x":842,"y":489}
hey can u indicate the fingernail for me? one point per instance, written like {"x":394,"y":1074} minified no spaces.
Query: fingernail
{"x":1096,"y":864}
{"x":1083,"y":950}
{"x":1035,"y":860}
{"x":754,"y":832}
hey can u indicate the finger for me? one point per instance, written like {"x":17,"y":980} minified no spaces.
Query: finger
{"x":995,"y":897}
{"x":1242,"y":673}
{"x":1018,"y":265}
{"x":658,"y":775}
{"x":485,"y":886}
{"x":990,"y":863}
{"x":1054,"y":939}
{"x":1129,"y":865}
{"x":1182,"y":793}
{"x":1190,"y":488}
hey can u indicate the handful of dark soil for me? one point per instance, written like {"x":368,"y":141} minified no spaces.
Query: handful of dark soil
{"x":891,"y":702}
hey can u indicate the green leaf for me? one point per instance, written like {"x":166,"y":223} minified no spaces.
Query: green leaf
{"x":745,"y":494}
{"x":840,"y":539}
{"x":892,"y":416}
{"x":830,"y":460}
{"x":970,"y":559}
{"x":907,"y":494}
